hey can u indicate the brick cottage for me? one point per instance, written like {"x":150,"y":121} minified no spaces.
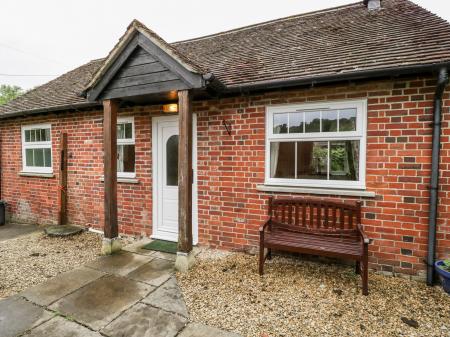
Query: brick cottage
{"x":338,"y":104}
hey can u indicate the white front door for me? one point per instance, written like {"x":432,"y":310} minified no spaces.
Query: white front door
{"x":165,"y":179}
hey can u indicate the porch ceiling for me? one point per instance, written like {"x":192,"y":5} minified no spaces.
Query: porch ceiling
{"x":143,"y":67}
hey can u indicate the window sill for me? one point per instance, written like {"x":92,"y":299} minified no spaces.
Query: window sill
{"x":36,"y":174}
{"x":123,"y":180}
{"x":312,"y":190}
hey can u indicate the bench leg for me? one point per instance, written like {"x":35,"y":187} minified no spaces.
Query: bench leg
{"x":261,"y":260}
{"x":365,"y":272}
{"x":357,"y":268}
{"x":269,"y":254}
{"x":261,"y":253}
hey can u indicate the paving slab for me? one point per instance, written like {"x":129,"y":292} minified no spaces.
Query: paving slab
{"x":201,"y":330}
{"x":61,"y":285}
{"x":61,"y":327}
{"x":164,"y":256}
{"x":120,"y":263}
{"x":145,"y":321}
{"x":99,"y":302}
{"x":136,"y":247}
{"x":13,"y":230}
{"x":17,"y":316}
{"x":168,"y":297}
{"x":154,"y":273}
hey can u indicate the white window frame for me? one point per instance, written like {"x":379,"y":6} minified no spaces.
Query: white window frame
{"x":36,"y":145}
{"x":360,"y":134}
{"x":131,"y":141}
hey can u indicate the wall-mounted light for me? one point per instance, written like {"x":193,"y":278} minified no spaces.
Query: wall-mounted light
{"x":170,"y":108}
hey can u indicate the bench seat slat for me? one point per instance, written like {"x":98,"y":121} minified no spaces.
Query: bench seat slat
{"x":332,"y":245}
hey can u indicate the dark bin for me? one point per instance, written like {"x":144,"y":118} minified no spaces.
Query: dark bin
{"x":2,"y":212}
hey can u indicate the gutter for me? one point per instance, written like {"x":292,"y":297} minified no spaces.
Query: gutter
{"x":434,"y":184}
{"x":365,"y":74}
{"x":51,"y":109}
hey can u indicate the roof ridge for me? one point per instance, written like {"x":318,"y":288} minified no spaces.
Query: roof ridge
{"x":259,"y":24}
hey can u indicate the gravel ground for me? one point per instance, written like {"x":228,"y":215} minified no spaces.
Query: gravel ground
{"x":29,"y":260}
{"x":300,"y":298}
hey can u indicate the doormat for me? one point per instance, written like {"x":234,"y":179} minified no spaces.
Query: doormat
{"x":162,"y":246}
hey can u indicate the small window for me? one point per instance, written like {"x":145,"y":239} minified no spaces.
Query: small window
{"x":126,"y":156}
{"x":316,"y":145}
{"x":37,"y":148}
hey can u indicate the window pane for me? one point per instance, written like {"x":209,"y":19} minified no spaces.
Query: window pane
{"x":344,"y":161}
{"x":125,"y":131}
{"x":39,"y":157}
{"x":125,"y":158}
{"x":347,"y":120}
{"x":48,"y":157}
{"x":129,"y":131}
{"x":29,"y":157}
{"x":120,"y":131}
{"x":296,"y":122}
{"x":282,"y":160}
{"x":312,"y":121}
{"x":312,"y":160}
{"x":280,"y":123}
{"x":329,"y":121}
{"x":172,"y":161}
{"x":37,"y":135}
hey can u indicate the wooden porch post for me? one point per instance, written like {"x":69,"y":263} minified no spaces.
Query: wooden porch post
{"x":62,"y":190}
{"x":110,"y":108}
{"x":185,"y":174}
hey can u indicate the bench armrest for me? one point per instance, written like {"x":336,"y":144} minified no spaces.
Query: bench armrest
{"x":363,"y":234}
{"x":267,"y":223}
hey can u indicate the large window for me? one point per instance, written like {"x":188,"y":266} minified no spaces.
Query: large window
{"x":37,"y":148}
{"x":125,"y":148}
{"x":316,"y":145}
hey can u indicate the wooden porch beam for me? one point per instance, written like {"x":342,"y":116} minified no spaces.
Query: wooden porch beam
{"x":110,"y":109}
{"x":185,"y":176}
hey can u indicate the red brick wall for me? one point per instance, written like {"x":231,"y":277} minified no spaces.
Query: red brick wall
{"x":398,"y":168}
{"x":231,"y":166}
{"x":34,"y":199}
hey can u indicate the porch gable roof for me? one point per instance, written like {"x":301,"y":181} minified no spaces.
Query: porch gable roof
{"x":143,"y":63}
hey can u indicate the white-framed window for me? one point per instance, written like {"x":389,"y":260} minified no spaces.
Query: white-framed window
{"x":37,"y":148}
{"x":316,"y":144}
{"x":126,"y":158}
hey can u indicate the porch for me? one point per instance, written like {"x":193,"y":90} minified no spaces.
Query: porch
{"x":143,"y":69}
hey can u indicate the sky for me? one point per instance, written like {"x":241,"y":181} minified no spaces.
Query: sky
{"x":40,"y":40}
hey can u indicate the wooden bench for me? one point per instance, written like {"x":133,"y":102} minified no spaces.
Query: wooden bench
{"x":316,"y":227}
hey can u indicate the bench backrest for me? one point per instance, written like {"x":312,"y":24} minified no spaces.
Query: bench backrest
{"x":312,"y":215}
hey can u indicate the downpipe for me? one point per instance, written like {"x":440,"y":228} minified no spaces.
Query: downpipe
{"x":434,"y":183}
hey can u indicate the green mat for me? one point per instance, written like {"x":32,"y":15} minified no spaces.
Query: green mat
{"x":162,"y":246}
